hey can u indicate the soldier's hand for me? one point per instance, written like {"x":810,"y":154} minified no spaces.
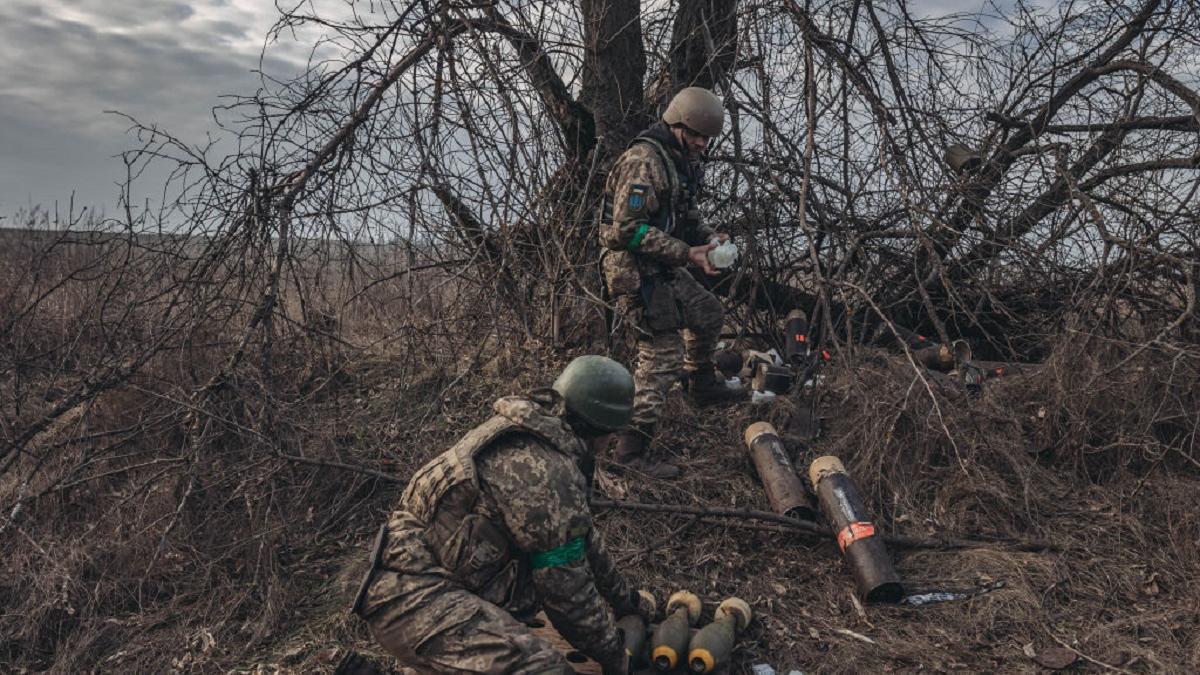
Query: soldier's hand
{"x":698,"y":255}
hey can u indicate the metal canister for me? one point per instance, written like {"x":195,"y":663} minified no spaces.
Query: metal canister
{"x":870,"y":564}
{"x":785,"y":489}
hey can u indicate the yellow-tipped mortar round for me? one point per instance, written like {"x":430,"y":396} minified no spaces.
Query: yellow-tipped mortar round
{"x":633,"y":630}
{"x":713,"y":645}
{"x":670,"y":640}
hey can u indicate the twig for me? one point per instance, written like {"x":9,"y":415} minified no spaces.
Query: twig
{"x":674,"y":535}
{"x":1087,"y":658}
{"x":339,"y":465}
{"x":816,"y":529}
{"x":857,"y":636}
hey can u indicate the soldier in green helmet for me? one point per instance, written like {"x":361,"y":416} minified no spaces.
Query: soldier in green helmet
{"x":498,"y":527}
{"x":651,"y":231}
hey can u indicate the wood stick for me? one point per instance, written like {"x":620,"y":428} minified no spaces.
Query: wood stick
{"x":818,"y":530}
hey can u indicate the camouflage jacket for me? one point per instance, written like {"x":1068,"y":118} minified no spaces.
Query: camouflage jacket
{"x":649,"y":220}
{"x":505,"y":514}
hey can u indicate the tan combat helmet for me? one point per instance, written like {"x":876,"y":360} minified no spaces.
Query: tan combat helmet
{"x":698,"y":109}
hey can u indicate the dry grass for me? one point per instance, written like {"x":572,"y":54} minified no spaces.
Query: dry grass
{"x":150,"y":542}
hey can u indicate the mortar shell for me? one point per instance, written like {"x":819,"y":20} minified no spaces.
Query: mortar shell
{"x":669,"y":643}
{"x":633,"y":632}
{"x":670,"y":640}
{"x":712,"y":646}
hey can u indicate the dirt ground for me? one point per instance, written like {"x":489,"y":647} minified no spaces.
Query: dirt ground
{"x":1099,"y":462}
{"x":1054,"y":455}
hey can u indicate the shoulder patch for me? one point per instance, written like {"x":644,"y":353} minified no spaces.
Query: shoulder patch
{"x":637,"y":196}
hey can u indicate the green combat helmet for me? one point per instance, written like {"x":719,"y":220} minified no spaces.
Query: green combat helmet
{"x":599,"y":390}
{"x":698,"y":109}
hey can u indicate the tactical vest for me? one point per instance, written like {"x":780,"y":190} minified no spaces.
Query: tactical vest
{"x":667,"y":217}
{"x":461,"y":526}
{"x":678,"y":212}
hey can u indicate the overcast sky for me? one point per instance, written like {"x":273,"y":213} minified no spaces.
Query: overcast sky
{"x":64,"y":62}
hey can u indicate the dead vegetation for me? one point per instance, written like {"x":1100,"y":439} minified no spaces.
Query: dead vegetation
{"x":206,"y":409}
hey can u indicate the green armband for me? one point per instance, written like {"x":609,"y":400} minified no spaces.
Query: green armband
{"x":557,"y":557}
{"x":638,"y":236}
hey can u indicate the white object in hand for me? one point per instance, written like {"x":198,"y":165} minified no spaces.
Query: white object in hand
{"x":723,"y":256}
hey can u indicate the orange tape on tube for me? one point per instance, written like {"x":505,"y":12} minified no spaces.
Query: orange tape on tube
{"x":853,"y":532}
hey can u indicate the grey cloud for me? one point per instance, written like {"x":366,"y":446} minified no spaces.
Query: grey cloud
{"x":61,"y":74}
{"x":225,"y":29}
{"x":108,"y":14}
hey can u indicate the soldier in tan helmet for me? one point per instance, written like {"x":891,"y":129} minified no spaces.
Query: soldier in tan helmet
{"x":498,"y":527}
{"x":651,"y":231}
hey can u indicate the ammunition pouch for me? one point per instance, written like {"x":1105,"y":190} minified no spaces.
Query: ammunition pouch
{"x":477,"y":556}
{"x":661,"y":310}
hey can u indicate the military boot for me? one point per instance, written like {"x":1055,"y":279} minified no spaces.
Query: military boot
{"x":706,"y":388}
{"x":630,"y":455}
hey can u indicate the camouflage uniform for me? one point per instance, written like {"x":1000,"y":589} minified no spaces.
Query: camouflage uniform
{"x":650,"y":224}
{"x":485,"y":534}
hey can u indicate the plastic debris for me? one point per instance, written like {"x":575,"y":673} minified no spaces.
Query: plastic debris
{"x":762,"y":396}
{"x":919,"y":599}
{"x":935,"y":597}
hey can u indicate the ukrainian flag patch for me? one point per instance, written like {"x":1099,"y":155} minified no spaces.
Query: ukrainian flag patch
{"x":637,"y":196}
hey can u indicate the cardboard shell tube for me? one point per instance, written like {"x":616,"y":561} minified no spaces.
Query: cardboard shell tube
{"x":961,"y":158}
{"x":771,"y":378}
{"x":785,"y":489}
{"x":935,"y":357}
{"x":870,"y":564}
{"x":795,"y":343}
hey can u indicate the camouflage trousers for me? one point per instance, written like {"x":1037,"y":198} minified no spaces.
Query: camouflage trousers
{"x":436,"y":626}
{"x":664,"y":355}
